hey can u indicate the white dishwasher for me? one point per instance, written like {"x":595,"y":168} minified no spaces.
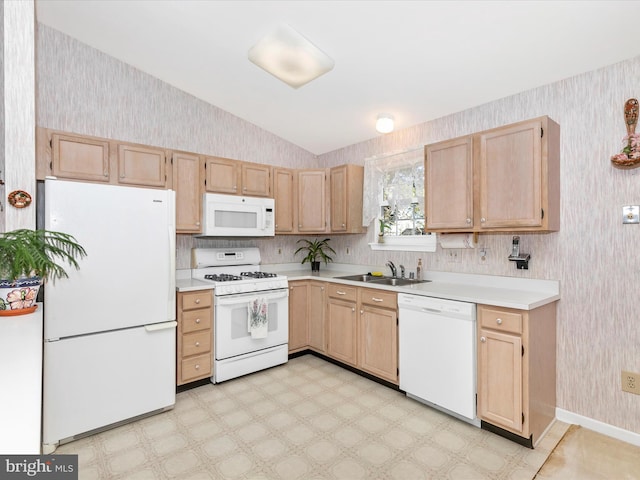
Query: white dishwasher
{"x":437,"y":353}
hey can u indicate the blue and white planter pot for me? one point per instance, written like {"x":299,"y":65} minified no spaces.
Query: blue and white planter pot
{"x":19,"y":294}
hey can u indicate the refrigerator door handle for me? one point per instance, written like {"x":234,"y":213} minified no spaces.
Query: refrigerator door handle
{"x":154,"y":327}
{"x":171,"y":299}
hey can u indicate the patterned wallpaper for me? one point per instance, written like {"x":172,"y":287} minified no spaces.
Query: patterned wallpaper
{"x":594,"y":255}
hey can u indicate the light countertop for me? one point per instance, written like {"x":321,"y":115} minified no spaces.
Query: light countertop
{"x":509,"y":292}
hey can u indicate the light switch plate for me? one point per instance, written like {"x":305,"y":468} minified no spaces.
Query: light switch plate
{"x":631,"y":214}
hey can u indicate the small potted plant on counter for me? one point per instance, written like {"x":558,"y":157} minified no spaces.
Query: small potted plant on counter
{"x":27,"y":259}
{"x":316,"y":250}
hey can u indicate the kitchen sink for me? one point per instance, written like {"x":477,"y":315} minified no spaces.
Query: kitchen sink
{"x":397,"y":282}
{"x":365,"y":277}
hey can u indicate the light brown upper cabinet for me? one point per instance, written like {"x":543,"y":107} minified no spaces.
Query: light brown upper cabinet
{"x":346,"y":198}
{"x":187,"y":171}
{"x":223,"y":175}
{"x":142,"y":166}
{"x":504,"y":179}
{"x":311,"y":193}
{"x":283,"y":193}
{"x":81,"y":158}
{"x":92,"y":159}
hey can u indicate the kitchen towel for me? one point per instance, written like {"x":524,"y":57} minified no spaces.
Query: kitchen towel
{"x":258,"y":322}
{"x":456,"y":240}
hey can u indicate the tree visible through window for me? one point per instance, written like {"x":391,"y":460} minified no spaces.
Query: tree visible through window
{"x":402,"y":207}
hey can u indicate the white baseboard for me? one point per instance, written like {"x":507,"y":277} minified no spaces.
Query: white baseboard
{"x":597,"y":426}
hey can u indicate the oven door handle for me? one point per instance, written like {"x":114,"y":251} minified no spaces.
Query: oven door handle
{"x":245,"y":297}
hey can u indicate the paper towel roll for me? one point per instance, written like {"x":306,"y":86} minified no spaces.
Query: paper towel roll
{"x":457,"y":240}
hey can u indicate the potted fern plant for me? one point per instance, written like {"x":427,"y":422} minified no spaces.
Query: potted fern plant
{"x":27,"y":259}
{"x":315,"y":250}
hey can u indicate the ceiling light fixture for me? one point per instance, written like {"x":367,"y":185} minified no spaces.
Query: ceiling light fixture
{"x":384,"y":124}
{"x":290,"y":57}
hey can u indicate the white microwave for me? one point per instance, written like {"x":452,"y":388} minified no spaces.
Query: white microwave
{"x":236,"y":216}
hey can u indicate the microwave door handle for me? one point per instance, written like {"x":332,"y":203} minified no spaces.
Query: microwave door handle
{"x":264,"y":219}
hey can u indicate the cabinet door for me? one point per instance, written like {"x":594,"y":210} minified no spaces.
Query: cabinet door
{"x":141,"y":166}
{"x":341,"y":331}
{"x":283,"y":195}
{"x":345,"y":211}
{"x":311,"y":195}
{"x":338,"y":198}
{"x":80,"y":158}
{"x":222,"y":175}
{"x":500,"y":379}
{"x":510,"y":175}
{"x":298,"y":319}
{"x":186,"y":183}
{"x":256,"y":179}
{"x":449,"y":184}
{"x":378,"y":349}
{"x":316,"y":307}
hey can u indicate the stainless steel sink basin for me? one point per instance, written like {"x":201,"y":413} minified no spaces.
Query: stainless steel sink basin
{"x":397,"y":282}
{"x":359,"y":278}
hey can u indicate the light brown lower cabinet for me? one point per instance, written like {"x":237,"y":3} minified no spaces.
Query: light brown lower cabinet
{"x":517,"y":369}
{"x":378,"y":333}
{"x":194,"y":340}
{"x":355,"y":326}
{"x":341,"y":323}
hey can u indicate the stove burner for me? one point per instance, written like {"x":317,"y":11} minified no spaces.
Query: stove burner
{"x":222,"y":277}
{"x":258,"y":274}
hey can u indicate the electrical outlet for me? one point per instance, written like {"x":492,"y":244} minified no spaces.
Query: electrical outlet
{"x":483,"y":255}
{"x":630,"y":382}
{"x":454,"y":256}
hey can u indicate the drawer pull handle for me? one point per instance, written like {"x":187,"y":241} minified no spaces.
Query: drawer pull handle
{"x":499,"y":321}
{"x":197,"y":344}
{"x":197,"y":301}
{"x":377,"y":299}
{"x":197,"y":367}
{"x":483,"y":339}
{"x":197,"y":320}
{"x":340,"y":292}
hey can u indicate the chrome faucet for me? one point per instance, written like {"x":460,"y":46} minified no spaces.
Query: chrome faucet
{"x":401,"y":271}
{"x":394,"y":272}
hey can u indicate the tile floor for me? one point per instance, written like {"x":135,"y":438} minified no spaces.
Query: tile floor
{"x":307,"y":419}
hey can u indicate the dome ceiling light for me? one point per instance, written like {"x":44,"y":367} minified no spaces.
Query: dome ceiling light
{"x":290,"y":57}
{"x":384,"y":124}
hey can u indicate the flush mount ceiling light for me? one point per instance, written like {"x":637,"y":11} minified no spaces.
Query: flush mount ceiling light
{"x":384,"y":124}
{"x":290,"y":57}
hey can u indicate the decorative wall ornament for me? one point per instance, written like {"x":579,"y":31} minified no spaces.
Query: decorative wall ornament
{"x":19,"y":199}
{"x":629,"y":157}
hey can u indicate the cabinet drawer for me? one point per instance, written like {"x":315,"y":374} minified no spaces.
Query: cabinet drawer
{"x":501,"y":320}
{"x":343,"y":292}
{"x":196,"y":343}
{"x":196,"y":367}
{"x":199,"y":299}
{"x":194,"y":320}
{"x":378,"y":298}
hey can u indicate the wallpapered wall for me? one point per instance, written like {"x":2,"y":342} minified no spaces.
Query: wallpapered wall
{"x":594,"y":255}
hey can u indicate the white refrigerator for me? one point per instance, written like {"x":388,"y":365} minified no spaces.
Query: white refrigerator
{"x":109,"y":329}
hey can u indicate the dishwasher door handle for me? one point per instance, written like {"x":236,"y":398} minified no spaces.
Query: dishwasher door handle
{"x":431,"y":310}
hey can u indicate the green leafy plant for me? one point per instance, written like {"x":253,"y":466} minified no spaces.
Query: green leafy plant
{"x":29,"y":253}
{"x":384,"y":226}
{"x":316,"y":250}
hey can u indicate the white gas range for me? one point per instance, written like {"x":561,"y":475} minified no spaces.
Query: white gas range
{"x":251,"y":311}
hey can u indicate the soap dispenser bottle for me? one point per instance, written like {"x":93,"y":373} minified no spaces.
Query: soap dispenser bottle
{"x":419,"y":270}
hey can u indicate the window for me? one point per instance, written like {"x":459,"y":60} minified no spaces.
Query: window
{"x":394,"y":202}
